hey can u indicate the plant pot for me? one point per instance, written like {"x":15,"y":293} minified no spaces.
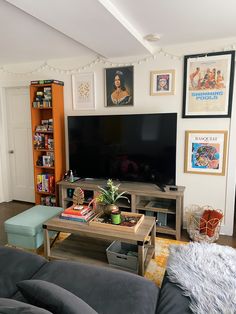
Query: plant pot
{"x":109,"y":208}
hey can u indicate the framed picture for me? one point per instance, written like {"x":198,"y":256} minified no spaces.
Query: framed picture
{"x":119,"y":86}
{"x":208,"y":85}
{"x":83,"y":91}
{"x":205,"y":152}
{"x":47,"y":161}
{"x":162,"y":83}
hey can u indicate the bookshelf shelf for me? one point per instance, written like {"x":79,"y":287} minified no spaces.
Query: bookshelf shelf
{"x":48,"y":143}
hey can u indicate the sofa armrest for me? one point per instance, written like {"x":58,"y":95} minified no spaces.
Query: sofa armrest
{"x":16,"y":265}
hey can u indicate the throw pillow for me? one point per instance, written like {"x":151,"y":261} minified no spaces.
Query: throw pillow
{"x":53,"y":298}
{"x":10,"y":306}
{"x":209,"y":221}
{"x":203,"y":221}
{"x":213,"y":222}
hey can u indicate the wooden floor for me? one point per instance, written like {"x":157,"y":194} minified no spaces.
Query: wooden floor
{"x":13,"y":208}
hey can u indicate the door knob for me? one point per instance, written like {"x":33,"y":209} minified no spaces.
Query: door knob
{"x":11,"y":152}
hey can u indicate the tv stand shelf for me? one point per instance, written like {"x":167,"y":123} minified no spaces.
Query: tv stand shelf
{"x":145,"y":198}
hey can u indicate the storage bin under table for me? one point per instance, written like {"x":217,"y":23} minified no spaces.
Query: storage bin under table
{"x":123,"y":255}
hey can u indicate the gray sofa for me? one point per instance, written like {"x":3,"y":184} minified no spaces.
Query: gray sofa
{"x":31,"y":284}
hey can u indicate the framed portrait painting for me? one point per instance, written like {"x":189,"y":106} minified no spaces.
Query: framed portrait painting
{"x":119,"y":86}
{"x":162,"y":83}
{"x":205,"y":152}
{"x":83,"y":91}
{"x":208,"y":85}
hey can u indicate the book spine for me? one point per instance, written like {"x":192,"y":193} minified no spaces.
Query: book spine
{"x":72,"y":217}
{"x":76,"y":212}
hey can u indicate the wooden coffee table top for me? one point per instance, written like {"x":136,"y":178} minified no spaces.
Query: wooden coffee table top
{"x":63,"y":225}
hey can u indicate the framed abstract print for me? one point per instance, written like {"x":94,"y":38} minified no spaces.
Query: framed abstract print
{"x":83,"y":91}
{"x":205,"y":152}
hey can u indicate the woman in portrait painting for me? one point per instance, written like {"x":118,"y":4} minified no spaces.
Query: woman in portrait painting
{"x":120,"y":95}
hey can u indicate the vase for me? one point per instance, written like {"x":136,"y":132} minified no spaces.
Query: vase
{"x":109,"y":208}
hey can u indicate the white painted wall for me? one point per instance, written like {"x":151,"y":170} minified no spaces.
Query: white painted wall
{"x":217,"y":191}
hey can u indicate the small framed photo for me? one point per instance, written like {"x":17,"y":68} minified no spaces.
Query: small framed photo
{"x":162,"y":83}
{"x":205,"y":152}
{"x":119,"y":86}
{"x":83,"y":91}
{"x":208,"y":85}
{"x":47,"y":161}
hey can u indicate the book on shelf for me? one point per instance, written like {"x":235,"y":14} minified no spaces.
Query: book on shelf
{"x":45,"y":183}
{"x":46,"y":82}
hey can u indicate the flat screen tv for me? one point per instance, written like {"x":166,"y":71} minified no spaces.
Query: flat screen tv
{"x":140,"y":147}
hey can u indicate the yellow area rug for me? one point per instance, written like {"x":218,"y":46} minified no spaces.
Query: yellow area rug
{"x":156,"y":268}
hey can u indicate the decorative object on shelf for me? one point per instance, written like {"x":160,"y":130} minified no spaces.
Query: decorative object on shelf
{"x":119,"y":86}
{"x":46,"y":82}
{"x":78,"y":196}
{"x":129,"y":222}
{"x":115,"y":217}
{"x":205,"y":152}
{"x":208,"y":85}
{"x":109,"y":195}
{"x":83,"y":91}
{"x":162,"y":83}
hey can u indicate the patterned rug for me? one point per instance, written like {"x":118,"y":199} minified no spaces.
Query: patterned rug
{"x":156,"y":268}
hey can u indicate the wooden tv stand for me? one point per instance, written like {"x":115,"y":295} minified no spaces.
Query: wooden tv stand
{"x":145,"y":198}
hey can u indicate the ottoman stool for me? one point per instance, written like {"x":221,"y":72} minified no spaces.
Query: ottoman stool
{"x":25,"y":229}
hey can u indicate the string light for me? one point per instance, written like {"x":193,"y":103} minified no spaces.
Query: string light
{"x":99,"y":60}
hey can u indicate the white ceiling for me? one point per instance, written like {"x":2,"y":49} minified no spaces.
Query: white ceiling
{"x":49,"y":29}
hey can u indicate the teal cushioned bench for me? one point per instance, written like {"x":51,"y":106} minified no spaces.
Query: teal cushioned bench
{"x":25,"y":229}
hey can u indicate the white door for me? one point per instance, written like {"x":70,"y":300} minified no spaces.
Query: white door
{"x":20,"y":144}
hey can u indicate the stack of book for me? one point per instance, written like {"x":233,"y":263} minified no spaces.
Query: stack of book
{"x":80,"y":213}
{"x":46,"y":183}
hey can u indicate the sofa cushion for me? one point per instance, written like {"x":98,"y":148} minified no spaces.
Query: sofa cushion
{"x":53,"y":298}
{"x":172,"y":299}
{"x":16,"y":265}
{"x":104,"y":289}
{"x":9,"y":306}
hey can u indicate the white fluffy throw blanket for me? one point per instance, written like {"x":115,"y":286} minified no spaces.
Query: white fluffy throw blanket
{"x":207,"y":274}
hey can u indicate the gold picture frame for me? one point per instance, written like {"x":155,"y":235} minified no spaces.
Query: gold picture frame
{"x":205,"y":152}
{"x":162,"y":83}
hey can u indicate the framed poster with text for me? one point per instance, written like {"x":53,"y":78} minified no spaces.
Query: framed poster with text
{"x":208,"y":85}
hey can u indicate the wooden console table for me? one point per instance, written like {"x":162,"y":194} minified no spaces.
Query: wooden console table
{"x":144,"y":198}
{"x":144,"y":237}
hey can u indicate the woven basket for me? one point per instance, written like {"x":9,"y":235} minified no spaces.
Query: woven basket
{"x":198,"y":228}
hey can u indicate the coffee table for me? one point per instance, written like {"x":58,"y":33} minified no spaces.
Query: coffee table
{"x":71,"y":247}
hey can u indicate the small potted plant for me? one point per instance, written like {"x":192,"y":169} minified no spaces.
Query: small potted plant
{"x":108,"y":197}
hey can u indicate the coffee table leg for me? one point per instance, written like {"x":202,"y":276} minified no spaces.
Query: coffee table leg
{"x":46,"y":243}
{"x":153,"y":239}
{"x":140,"y":258}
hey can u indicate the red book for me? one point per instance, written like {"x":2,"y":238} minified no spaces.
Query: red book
{"x":76,"y":212}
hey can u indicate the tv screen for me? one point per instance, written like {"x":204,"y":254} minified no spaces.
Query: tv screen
{"x":139,"y":147}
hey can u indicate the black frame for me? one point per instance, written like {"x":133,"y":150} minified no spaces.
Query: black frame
{"x":229,"y":91}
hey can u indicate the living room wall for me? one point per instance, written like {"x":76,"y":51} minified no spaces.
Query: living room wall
{"x":217,"y":191}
